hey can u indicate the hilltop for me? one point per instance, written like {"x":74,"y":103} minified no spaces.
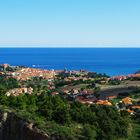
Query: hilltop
{"x":62,"y":104}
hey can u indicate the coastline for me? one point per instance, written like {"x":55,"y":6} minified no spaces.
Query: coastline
{"x":112,"y":61}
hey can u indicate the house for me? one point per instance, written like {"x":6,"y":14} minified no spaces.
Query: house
{"x":5,"y":65}
{"x":130,"y":111}
{"x":83,"y":100}
{"x":87,"y":91}
{"x":104,"y":102}
{"x":127,"y":101}
{"x":138,"y":75}
{"x":131,"y":75}
{"x":29,"y":90}
{"x":136,"y":107}
{"x":119,"y":78}
{"x":18,"y":91}
{"x":111,"y":97}
{"x":54,"y":93}
{"x":74,"y":91}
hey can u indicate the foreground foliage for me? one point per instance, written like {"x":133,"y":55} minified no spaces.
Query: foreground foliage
{"x":65,"y":120}
{"x":69,"y":121}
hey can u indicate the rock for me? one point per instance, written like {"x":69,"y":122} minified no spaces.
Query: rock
{"x":14,"y":128}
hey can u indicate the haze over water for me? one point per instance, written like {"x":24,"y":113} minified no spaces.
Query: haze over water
{"x":110,"y":61}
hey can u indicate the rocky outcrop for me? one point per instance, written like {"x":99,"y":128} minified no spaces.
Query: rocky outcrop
{"x":14,"y":128}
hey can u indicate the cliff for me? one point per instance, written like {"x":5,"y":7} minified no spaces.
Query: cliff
{"x":14,"y":128}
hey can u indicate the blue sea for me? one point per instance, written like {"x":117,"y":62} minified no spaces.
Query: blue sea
{"x":112,"y":61}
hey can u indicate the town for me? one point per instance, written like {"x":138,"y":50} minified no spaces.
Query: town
{"x":122,"y":92}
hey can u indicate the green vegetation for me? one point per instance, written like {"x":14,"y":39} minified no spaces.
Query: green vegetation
{"x":39,"y":84}
{"x":135,"y":93}
{"x":7,"y":83}
{"x":114,"y":82}
{"x":63,"y":120}
{"x":59,"y":118}
{"x":96,"y":75}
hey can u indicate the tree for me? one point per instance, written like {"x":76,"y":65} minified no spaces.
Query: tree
{"x":61,"y":115}
{"x":88,"y":132}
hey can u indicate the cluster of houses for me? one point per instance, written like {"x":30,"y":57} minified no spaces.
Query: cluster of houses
{"x":123,"y":77}
{"x":85,"y":96}
{"x":88,"y":98}
{"x":3,"y":67}
{"x":130,"y":105}
{"x":27,"y":73}
{"x":19,"y":91}
{"x":73,"y":78}
{"x":23,"y":73}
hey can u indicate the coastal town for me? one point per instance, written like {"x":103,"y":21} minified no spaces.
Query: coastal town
{"x":122,"y":92}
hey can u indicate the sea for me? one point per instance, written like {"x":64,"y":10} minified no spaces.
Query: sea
{"x":112,"y":61}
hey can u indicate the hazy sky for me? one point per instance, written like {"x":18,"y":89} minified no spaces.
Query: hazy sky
{"x":70,"y":23}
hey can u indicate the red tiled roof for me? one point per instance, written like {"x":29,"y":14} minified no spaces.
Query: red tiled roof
{"x":103,"y":102}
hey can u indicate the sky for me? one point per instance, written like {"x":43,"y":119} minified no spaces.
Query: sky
{"x":69,"y":23}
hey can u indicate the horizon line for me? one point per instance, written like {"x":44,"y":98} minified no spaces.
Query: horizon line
{"x":72,"y":47}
